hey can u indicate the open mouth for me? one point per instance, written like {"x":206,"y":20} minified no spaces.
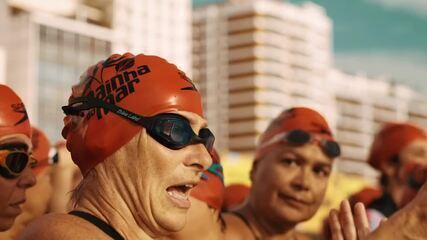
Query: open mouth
{"x":179,"y":194}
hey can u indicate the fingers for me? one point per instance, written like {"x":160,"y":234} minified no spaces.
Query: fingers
{"x":361,"y":221}
{"x":335,"y":225}
{"x":347,"y":222}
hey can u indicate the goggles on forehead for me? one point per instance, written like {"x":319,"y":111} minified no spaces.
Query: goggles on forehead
{"x":300,"y":137}
{"x":14,"y":162}
{"x":171,"y":130}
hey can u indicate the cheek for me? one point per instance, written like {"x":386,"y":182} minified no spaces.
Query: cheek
{"x":319,"y":190}
{"x":7,"y":188}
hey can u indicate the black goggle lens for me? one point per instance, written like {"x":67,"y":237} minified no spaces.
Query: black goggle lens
{"x":175,"y":132}
{"x":208,"y":137}
{"x":300,"y":137}
{"x":332,"y":149}
{"x":17,"y":161}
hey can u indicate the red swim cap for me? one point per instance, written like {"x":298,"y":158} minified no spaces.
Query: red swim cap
{"x":41,"y":148}
{"x":235,"y":194}
{"x":145,"y":85}
{"x":211,"y":187}
{"x":13,"y":116}
{"x":301,"y":118}
{"x":391,"y":139}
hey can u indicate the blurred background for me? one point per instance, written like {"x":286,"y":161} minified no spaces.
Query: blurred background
{"x":360,"y":63}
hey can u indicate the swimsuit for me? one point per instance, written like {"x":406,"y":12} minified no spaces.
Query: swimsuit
{"x":103,"y":226}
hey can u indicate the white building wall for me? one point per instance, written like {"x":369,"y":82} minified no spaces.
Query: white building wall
{"x":2,"y":65}
{"x":278,"y":55}
{"x":155,"y":27}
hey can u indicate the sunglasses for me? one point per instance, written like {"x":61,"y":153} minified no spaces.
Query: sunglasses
{"x":171,"y":130}
{"x":300,"y":137}
{"x":14,"y":162}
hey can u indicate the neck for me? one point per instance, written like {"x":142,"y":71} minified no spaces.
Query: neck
{"x":395,"y":189}
{"x":266,"y":228}
{"x":106,"y":197}
{"x":116,"y":215}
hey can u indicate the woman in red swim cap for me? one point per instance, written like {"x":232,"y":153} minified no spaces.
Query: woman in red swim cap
{"x":39,"y":196}
{"x":291,"y":169}
{"x":135,"y":128}
{"x":15,"y":162}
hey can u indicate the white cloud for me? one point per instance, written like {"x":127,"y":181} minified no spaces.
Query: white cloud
{"x":407,"y":67}
{"x":417,"y":6}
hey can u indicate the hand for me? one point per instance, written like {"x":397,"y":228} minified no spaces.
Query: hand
{"x":346,"y":227}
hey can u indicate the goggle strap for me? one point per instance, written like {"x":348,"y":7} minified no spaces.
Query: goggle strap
{"x":88,"y":102}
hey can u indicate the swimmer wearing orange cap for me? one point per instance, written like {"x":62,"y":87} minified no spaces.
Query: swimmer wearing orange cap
{"x":15,"y":161}
{"x":289,"y":177}
{"x":135,"y":128}
{"x":38,"y":197}
{"x":235,"y":194}
{"x":399,"y":152}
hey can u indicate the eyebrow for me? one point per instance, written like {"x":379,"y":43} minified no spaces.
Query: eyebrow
{"x":13,"y":145}
{"x":315,"y":162}
{"x":193,"y":121}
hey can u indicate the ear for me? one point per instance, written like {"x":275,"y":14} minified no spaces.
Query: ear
{"x":253,"y":170}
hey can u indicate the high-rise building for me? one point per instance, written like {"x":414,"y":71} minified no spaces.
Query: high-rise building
{"x":50,"y":43}
{"x":363,"y":105}
{"x":260,"y":57}
{"x":157,"y":27}
{"x":46,"y":52}
{"x":255,"y":58}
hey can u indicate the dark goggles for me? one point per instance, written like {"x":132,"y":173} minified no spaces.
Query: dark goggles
{"x":171,"y":130}
{"x":14,"y":162}
{"x":300,"y":137}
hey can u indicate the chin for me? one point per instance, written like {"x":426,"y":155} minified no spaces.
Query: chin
{"x":294,"y":216}
{"x":174,"y":222}
{"x":6,"y":224}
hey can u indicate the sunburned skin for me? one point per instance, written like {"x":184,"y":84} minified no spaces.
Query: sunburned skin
{"x":131,"y":191}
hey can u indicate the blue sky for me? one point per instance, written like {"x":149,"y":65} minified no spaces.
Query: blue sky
{"x":379,"y":37}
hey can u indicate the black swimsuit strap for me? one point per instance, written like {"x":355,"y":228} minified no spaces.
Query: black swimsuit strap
{"x":107,"y":229}
{"x":239,"y":215}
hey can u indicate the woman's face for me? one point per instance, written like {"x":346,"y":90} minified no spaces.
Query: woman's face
{"x":12,"y":194}
{"x":289,"y":183}
{"x":162,"y":179}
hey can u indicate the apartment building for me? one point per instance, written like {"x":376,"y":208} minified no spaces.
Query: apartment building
{"x":254,"y":58}
{"x":50,"y":43}
{"x":257,"y":58}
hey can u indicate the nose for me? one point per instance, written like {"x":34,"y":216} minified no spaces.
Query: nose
{"x":27,"y":179}
{"x":302,"y":180}
{"x":198,"y":158}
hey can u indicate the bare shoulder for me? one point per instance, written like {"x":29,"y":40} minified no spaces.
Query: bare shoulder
{"x":235,"y":228}
{"x":59,"y":227}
